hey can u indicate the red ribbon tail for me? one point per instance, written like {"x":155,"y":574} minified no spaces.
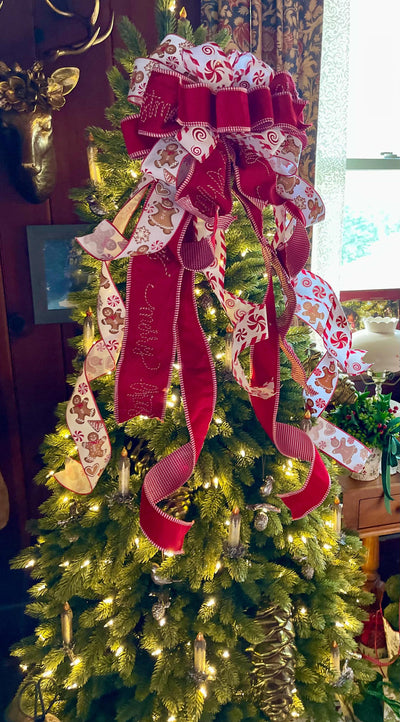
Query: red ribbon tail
{"x":198,"y":388}
{"x":289,"y":440}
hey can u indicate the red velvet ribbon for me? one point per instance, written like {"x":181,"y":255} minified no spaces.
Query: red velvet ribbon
{"x":162,"y":320}
{"x":161,"y":308}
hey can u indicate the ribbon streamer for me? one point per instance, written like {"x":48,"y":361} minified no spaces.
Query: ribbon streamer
{"x":207,"y":126}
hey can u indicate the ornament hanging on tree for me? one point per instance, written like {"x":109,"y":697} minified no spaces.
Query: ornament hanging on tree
{"x":308,"y":571}
{"x":158,"y":609}
{"x":177,"y":503}
{"x":268,"y":485}
{"x":261,"y":521}
{"x":273,"y":676}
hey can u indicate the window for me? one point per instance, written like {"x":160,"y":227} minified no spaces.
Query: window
{"x":371,"y":221}
{"x":358,"y":152}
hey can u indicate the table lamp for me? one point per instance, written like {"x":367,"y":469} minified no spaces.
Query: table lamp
{"x":381,"y":341}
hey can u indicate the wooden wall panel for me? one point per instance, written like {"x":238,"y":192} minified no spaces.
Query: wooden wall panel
{"x":34,"y":359}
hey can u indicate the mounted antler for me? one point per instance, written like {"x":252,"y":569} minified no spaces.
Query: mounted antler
{"x":93,"y":36}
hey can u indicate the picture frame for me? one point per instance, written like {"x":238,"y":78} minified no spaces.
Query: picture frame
{"x":54,"y":259}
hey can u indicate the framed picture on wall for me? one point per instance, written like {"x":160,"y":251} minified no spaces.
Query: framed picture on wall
{"x":55,"y":259}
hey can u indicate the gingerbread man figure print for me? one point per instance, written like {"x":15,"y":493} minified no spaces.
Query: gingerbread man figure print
{"x":168,"y":156}
{"x":328,"y":377}
{"x":80,"y":408}
{"x":94,"y":446}
{"x":113,"y":319}
{"x":163,"y":217}
{"x":346,"y":452}
{"x":312,"y":311}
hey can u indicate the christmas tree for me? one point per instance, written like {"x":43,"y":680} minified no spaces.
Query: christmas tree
{"x":257,"y":619}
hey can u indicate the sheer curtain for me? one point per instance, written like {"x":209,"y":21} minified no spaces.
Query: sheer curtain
{"x":332,"y":139}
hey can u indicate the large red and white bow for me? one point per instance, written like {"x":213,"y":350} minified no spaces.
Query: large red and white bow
{"x":208,"y":126}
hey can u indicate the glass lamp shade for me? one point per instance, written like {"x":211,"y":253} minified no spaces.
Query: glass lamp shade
{"x":381,"y":341}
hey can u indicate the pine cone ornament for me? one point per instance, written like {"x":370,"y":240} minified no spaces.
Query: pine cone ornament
{"x":345,"y":392}
{"x":177,"y":503}
{"x":273,"y":678}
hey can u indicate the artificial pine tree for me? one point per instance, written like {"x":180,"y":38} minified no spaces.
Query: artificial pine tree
{"x":129,"y":633}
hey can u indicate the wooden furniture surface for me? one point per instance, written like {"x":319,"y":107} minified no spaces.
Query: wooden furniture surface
{"x":364,"y":508}
{"x":364,"y":511}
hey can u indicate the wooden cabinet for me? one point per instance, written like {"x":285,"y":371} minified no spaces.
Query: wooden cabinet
{"x":364,"y":511}
{"x":364,"y":508}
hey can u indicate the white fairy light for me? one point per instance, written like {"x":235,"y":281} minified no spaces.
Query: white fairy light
{"x":339,"y":624}
{"x":94,"y":507}
{"x":162,"y":622}
{"x":216,"y":481}
{"x":206,"y":485}
{"x":219,"y":356}
{"x":31,"y":563}
{"x":108,"y":600}
{"x":210,"y":602}
{"x":76,"y":661}
{"x":211,"y":670}
{"x":290,"y":539}
{"x":242,"y":452}
{"x":218,"y":420}
{"x":327,"y":547}
{"x":137,"y":540}
{"x":72,"y":686}
{"x":169,"y":553}
{"x":119,"y":651}
{"x":304,"y":539}
{"x":109,"y":623}
{"x":218,"y":566}
{"x":50,"y":474}
{"x":47,"y":673}
{"x":171,"y":718}
{"x":203,"y":690}
{"x":23,"y":667}
{"x":303,"y":610}
{"x":85,"y":563}
{"x":225,"y":654}
{"x":156,"y":652}
{"x":64,"y":564}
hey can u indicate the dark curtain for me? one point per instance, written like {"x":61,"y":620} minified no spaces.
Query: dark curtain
{"x":287,"y":35}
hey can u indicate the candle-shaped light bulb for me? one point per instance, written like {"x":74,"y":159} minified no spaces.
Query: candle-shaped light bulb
{"x":234,"y":528}
{"x":124,"y":473}
{"x":182,"y":13}
{"x":200,"y":654}
{"x":88,"y":331}
{"x":335,"y":659}
{"x":228,"y":347}
{"x":91,"y":151}
{"x":337,"y":515}
{"x":66,"y":624}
